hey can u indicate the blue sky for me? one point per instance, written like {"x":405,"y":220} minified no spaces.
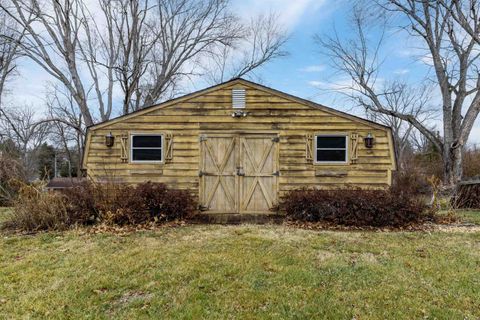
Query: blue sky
{"x":305,"y":72}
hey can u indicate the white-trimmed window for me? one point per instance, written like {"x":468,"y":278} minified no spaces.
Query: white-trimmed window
{"x":331,"y":148}
{"x":146,"y":147}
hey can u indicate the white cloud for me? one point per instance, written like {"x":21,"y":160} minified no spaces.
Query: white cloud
{"x":427,"y":59}
{"x":401,"y":71}
{"x":29,"y":86}
{"x":342,"y":84}
{"x":334,"y":86}
{"x":317,"y":84}
{"x":406,"y":52}
{"x":290,"y":12}
{"x":313,"y":68}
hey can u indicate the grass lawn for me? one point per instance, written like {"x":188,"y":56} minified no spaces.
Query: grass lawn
{"x":246,"y":272}
{"x":469,"y":216}
{"x":3,"y":213}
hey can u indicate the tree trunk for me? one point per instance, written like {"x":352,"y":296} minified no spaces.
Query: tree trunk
{"x":452,"y":167}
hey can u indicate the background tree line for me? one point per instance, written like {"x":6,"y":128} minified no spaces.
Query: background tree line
{"x":113,"y":57}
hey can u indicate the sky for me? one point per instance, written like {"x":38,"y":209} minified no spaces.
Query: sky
{"x":305,"y":72}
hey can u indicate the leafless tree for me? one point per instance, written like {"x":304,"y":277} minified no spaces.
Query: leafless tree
{"x":115,"y":49}
{"x":128,"y":21}
{"x":452,"y":49}
{"x":21,"y":126}
{"x":100,"y":51}
{"x":450,"y":31}
{"x":421,"y":144}
{"x":262,"y":41}
{"x":146,"y":47}
{"x":153,"y":46}
{"x":51,"y":39}
{"x":359,"y":58}
{"x":9,"y":50}
{"x":185,"y":32}
{"x":400,"y":98}
{"x":69,"y":133}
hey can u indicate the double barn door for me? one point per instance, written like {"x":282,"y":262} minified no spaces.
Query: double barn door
{"x":238,"y":173}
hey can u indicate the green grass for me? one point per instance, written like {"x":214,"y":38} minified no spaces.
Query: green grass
{"x":4,"y":214}
{"x":469,"y":216}
{"x":465,"y":216}
{"x":244,"y":272}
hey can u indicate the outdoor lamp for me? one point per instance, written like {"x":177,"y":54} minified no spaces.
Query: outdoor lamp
{"x":369,"y":140}
{"x":109,"y":140}
{"x":239,"y":114}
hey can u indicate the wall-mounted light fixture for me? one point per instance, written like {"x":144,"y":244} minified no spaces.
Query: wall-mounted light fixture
{"x":369,"y":140}
{"x":239,"y":114}
{"x":109,"y":140}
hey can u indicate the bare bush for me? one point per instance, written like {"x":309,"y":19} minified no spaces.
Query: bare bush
{"x":36,"y":210}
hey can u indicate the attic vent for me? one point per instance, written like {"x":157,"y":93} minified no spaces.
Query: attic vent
{"x":238,"y":98}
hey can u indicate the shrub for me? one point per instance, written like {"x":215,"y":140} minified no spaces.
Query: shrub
{"x":411,"y":181}
{"x":81,"y":203}
{"x":166,"y":204}
{"x":88,"y":203}
{"x":467,"y":196}
{"x":354,"y":207}
{"x":122,"y":204}
{"x":471,"y":163}
{"x":12,"y":176}
{"x":36,"y":210}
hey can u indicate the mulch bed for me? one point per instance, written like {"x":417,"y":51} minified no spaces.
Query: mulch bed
{"x":426,"y":227}
{"x":325,"y":226}
{"x":444,"y":223}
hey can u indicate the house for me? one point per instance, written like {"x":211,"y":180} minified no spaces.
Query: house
{"x":60,"y":183}
{"x":239,"y":146}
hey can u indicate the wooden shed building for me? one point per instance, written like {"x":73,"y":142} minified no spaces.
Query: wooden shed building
{"x":239,"y":146}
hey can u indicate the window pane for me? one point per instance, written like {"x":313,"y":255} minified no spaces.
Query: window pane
{"x":331,"y":142}
{"x":147,"y":154}
{"x":147,"y":141}
{"x":331,"y":155}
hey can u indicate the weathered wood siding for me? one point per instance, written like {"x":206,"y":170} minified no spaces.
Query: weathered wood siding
{"x":267,"y":112}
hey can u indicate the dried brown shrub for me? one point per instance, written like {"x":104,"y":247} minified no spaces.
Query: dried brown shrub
{"x":355,"y":207}
{"x":89,"y":203}
{"x":471,"y":163}
{"x":467,"y":196}
{"x":123,"y":204}
{"x":36,"y":210}
{"x":11,"y":172}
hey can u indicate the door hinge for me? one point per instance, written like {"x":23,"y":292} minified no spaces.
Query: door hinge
{"x":203,"y":138}
{"x":276,"y":139}
{"x":276,"y":173}
{"x":201,"y":173}
{"x":202,"y":208}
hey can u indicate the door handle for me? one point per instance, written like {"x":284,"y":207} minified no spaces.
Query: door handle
{"x":240,"y":171}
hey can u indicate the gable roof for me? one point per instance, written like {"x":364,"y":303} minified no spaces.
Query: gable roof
{"x":233,"y":82}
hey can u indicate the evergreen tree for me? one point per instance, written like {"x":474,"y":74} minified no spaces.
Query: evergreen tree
{"x":46,"y":161}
